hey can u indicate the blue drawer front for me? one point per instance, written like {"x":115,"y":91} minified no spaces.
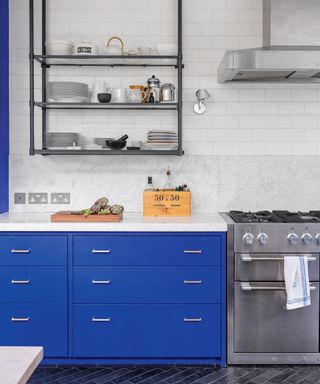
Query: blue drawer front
{"x":145,"y":331}
{"x":35,"y":325}
{"x":147,"y":250}
{"x":147,"y":284}
{"x":33,"y":250}
{"x":33,"y":284}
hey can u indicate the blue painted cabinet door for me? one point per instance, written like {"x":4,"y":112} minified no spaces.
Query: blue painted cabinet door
{"x":141,"y":284}
{"x":147,"y":330}
{"x":4,"y":105}
{"x":35,"y":325}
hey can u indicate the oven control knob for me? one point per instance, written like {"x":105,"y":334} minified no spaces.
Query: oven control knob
{"x":307,"y":238}
{"x":318,"y":238}
{"x":293,"y":239}
{"x":248,"y":239}
{"x":263,"y":238}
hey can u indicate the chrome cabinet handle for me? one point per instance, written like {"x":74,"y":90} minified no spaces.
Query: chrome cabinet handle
{"x":193,"y":251}
{"x":20,"y":251}
{"x":106,"y":320}
{"x":249,"y":287}
{"x":194,"y":282}
{"x":20,"y":281}
{"x":250,"y":258}
{"x":103,"y":251}
{"x":192,"y":320}
{"x":97,"y":282}
{"x":20,"y":319}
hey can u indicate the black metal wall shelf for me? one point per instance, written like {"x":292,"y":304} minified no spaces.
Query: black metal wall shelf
{"x":123,"y":152}
{"x":47,"y":61}
{"x":107,"y":61}
{"x":117,"y":106}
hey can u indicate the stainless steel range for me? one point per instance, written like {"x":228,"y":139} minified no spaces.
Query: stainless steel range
{"x":260,"y":329}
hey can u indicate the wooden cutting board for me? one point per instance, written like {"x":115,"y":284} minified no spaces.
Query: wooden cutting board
{"x":73,"y":217}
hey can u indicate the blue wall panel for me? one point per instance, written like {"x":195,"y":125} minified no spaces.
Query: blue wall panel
{"x":4,"y":105}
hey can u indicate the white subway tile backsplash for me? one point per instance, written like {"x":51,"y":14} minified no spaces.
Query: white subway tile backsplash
{"x":242,"y":118}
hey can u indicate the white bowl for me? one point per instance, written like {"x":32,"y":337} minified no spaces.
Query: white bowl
{"x":167,"y":49}
{"x":59,"y":47}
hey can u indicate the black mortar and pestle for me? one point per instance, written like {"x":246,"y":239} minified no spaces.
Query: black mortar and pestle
{"x":118,"y":144}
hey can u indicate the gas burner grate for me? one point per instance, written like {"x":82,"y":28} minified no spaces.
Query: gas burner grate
{"x":255,"y":217}
{"x":299,"y":217}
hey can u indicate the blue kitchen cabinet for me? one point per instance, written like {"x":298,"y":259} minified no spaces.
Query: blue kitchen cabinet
{"x":4,"y":106}
{"x":147,"y":330}
{"x":115,"y":298}
{"x":140,"y":284}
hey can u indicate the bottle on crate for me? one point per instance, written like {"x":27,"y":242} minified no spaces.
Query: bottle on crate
{"x":168,"y":185}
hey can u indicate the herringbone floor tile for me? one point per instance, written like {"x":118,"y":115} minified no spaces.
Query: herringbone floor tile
{"x":177,"y":375}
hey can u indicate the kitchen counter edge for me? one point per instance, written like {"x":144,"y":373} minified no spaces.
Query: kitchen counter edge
{"x":40,"y":222}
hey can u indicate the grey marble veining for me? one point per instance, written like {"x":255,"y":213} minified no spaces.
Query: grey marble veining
{"x":218,"y":183}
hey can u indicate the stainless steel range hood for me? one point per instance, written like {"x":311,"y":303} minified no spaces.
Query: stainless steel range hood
{"x":291,"y":46}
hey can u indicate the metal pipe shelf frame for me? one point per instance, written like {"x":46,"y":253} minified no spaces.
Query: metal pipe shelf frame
{"x":46,"y":61}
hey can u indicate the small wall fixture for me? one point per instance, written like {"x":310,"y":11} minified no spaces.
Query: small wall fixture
{"x":200,"y":106}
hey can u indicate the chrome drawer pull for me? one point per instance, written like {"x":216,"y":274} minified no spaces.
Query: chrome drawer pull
{"x":107,"y":320}
{"x":20,"y":251}
{"x":194,"y":282}
{"x":101,"y":282}
{"x":20,"y":281}
{"x":191,"y":320}
{"x":249,"y":287}
{"x":20,"y":319}
{"x":250,"y":258}
{"x":193,"y":251}
{"x":103,"y":251}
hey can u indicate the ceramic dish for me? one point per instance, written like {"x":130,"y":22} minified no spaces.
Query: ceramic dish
{"x":59,"y":47}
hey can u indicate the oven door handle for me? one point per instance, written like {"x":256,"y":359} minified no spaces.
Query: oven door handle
{"x":249,"y":287}
{"x":246,"y":257}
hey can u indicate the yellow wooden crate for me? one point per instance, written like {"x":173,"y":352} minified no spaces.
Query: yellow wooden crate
{"x":166,"y":203}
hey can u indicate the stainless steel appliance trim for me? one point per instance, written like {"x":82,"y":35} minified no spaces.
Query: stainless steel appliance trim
{"x":250,"y":287}
{"x":247,"y":257}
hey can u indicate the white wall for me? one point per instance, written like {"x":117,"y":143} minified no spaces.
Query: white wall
{"x":242,"y":119}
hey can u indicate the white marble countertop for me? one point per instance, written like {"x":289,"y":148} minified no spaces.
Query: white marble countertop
{"x":132,"y":222}
{"x":18,"y":363}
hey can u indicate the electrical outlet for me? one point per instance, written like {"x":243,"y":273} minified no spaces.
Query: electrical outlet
{"x":19,"y":198}
{"x":38,"y":198}
{"x":60,"y":198}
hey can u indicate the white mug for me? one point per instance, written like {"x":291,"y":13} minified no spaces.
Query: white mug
{"x":119,"y":95}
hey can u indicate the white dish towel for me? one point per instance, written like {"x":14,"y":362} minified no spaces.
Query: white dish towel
{"x":296,"y":276}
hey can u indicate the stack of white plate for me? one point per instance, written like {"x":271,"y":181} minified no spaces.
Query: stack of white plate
{"x":161,"y":140}
{"x":62,"y":140}
{"x":68,"y":92}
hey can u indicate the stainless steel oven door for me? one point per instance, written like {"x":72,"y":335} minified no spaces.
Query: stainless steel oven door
{"x":269,"y":267}
{"x":263,"y":325}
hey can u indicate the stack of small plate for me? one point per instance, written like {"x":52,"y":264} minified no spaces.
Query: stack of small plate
{"x":68,"y":92}
{"x":161,"y":140}
{"x":62,"y":140}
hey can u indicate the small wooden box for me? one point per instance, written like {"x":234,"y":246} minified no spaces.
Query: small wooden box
{"x":166,"y":203}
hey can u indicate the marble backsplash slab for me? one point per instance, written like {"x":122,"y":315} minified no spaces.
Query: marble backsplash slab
{"x":218,"y":183}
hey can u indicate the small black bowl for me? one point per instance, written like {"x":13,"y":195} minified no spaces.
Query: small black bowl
{"x":104,"y":97}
